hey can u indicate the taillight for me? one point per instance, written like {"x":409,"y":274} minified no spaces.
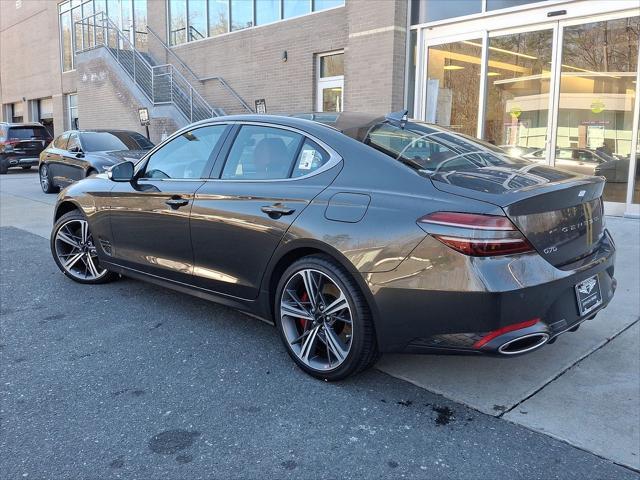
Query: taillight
{"x":475,"y":234}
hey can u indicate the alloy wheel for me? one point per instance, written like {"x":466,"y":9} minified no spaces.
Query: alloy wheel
{"x":316,"y":319}
{"x":44,"y":178}
{"x":76,"y":251}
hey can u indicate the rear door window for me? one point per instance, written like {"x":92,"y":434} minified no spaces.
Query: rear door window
{"x":264,"y":153}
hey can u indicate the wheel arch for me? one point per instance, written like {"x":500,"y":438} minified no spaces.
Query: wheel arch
{"x":296,"y":250}
{"x":65,"y":207}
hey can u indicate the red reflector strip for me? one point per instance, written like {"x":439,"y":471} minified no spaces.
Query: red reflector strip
{"x":501,"y":331}
{"x":486,"y":247}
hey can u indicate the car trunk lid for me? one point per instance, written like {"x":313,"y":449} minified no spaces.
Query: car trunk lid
{"x":559,"y":212}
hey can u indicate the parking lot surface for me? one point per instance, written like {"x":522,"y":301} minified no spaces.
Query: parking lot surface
{"x":129,"y":380}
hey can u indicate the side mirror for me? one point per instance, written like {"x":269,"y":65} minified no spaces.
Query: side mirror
{"x":121,"y":172}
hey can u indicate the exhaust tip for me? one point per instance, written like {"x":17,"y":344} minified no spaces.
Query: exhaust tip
{"x":524,"y":344}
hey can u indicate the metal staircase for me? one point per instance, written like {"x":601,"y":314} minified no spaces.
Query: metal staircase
{"x":161,"y":84}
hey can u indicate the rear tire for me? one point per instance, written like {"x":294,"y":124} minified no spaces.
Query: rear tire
{"x":333,"y":336}
{"x":45,"y":180}
{"x":74,"y":251}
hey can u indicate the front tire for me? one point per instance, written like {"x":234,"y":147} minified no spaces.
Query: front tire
{"x":324,"y":320}
{"x":45,"y":180}
{"x":74,"y":251}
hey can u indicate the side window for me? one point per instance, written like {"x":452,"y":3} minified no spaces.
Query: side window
{"x":262,"y":153}
{"x":74,"y":143}
{"x":311,"y":158}
{"x":61,"y":141}
{"x":186,"y":156}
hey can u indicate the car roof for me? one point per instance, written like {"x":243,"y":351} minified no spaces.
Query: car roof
{"x":100,"y":130}
{"x":22,"y":124}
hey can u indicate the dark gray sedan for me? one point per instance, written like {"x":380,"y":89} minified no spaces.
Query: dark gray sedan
{"x":77,"y":154}
{"x":354,"y":235}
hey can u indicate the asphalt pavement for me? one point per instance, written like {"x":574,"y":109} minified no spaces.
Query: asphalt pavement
{"x":130,"y":380}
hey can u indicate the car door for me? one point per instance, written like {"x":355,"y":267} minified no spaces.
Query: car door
{"x":74,"y":164}
{"x":265,"y":177}
{"x":150,"y":216}
{"x":54,"y":157}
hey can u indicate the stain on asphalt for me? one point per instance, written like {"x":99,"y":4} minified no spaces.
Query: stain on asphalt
{"x":499,"y":408}
{"x":289,"y":465}
{"x":157,"y":325}
{"x":392,"y":464}
{"x":119,"y":392}
{"x":445,"y":415}
{"x":182,"y":459}
{"x":405,"y":403}
{"x":250,"y":409}
{"x":117,"y":462}
{"x":172,"y":441}
{"x":20,"y":360}
{"x":56,"y":316}
{"x":138,"y":393}
{"x":84,"y":355}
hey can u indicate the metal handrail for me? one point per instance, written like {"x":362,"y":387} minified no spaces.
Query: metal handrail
{"x":193,"y":74}
{"x":97,"y":28}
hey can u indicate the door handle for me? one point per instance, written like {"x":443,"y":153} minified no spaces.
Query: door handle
{"x":277,"y":210}
{"x":177,"y":202}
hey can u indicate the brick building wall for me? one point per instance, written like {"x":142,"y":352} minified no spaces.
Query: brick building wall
{"x":372,"y":34}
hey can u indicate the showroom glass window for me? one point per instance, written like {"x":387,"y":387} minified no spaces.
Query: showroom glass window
{"x":185,"y":156}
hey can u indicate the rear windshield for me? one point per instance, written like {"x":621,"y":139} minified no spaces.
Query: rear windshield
{"x":435,"y":150}
{"x":111,"y":141}
{"x":26,"y":133}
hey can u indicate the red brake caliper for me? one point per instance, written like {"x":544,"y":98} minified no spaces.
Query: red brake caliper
{"x":302,"y":323}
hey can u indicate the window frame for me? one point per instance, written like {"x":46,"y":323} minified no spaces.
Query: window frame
{"x":328,"y":82}
{"x":223,"y":155}
{"x":141,"y":166}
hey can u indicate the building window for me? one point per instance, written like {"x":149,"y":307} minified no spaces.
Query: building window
{"x":17,"y":112}
{"x":268,"y":11}
{"x":241,"y":14}
{"x":72,"y":111}
{"x":295,"y":8}
{"x":218,"y":17}
{"x":330,"y":92}
{"x":191,"y":20}
{"x":130,"y":16}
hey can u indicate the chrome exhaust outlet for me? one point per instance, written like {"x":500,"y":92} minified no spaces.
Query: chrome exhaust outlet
{"x":523,"y":344}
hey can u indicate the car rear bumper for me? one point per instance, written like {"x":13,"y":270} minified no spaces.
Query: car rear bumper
{"x":440,"y":301}
{"x":19,"y":160}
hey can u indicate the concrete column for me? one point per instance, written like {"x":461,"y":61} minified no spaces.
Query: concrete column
{"x":375,"y":56}
{"x":59,"y":114}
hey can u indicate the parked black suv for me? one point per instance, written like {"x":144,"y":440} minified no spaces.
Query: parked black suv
{"x":21,"y":144}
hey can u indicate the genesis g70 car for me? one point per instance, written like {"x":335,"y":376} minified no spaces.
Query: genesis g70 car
{"x":354,"y":235}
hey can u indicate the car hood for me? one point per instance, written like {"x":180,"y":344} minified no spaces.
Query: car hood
{"x":117,"y":156}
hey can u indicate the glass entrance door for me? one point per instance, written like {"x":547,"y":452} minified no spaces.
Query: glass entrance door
{"x":595,"y":108}
{"x":518,"y":92}
{"x":562,"y":93}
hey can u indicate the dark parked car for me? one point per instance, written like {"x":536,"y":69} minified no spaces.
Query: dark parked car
{"x":616,"y":171}
{"x":21,"y":144}
{"x":77,"y":154}
{"x":372,"y":235}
